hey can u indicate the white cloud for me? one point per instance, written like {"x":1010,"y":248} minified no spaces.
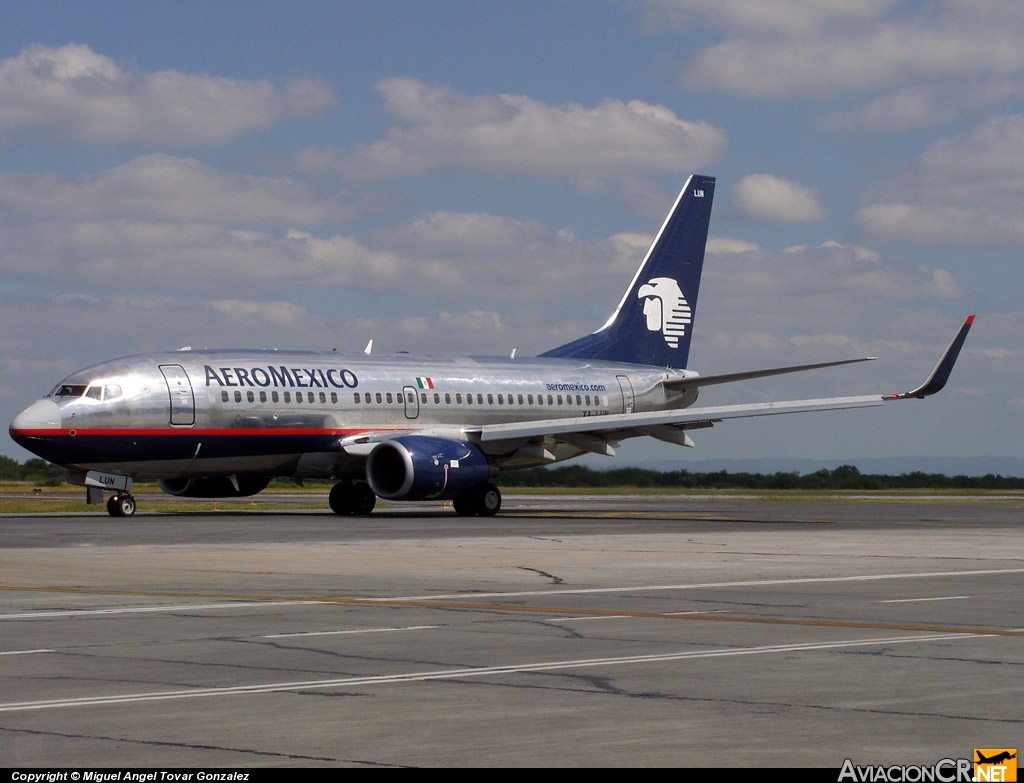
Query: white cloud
{"x":72,"y":93}
{"x":791,"y":17}
{"x":964,"y":189}
{"x":772,"y":199}
{"x":910,"y":44}
{"x":440,"y":128}
{"x":831,"y":289}
{"x":168,"y":189}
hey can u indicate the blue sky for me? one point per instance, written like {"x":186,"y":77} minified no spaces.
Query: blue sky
{"x":469,"y":177}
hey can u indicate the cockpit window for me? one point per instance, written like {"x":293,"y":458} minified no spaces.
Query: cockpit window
{"x":94,"y":391}
{"x":68,"y":390}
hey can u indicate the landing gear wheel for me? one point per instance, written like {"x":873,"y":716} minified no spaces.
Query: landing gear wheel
{"x":489,"y":502}
{"x":348,"y":499}
{"x":121,"y":505}
{"x":486,"y":503}
{"x":363,"y":500}
{"x":465,"y":505}
{"x":340,"y":498}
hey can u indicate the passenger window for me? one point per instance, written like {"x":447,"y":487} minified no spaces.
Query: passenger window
{"x":223,"y":396}
{"x":250,"y":396}
{"x":379,"y":398}
{"x":274,"y":397}
{"x":458,"y":399}
{"x":559,"y":399}
{"x":356,"y":398}
{"x":437,"y":399}
{"x":238,"y":396}
{"x":469,"y":399}
{"x":490,"y":399}
{"x":550,"y":402}
{"x":530,"y":398}
{"x":263,"y":396}
{"x":334,"y":398}
{"x":447,"y":399}
{"x":287,"y":396}
{"x":521,"y":399}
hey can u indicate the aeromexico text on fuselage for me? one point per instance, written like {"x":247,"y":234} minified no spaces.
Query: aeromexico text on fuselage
{"x":293,"y":377}
{"x":281,"y":376}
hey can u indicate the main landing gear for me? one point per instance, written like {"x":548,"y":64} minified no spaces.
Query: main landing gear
{"x":352,"y":499}
{"x":121,"y":504}
{"x":485,"y":503}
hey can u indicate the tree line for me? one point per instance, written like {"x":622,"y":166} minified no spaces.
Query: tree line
{"x":36,"y":470}
{"x":845,"y":477}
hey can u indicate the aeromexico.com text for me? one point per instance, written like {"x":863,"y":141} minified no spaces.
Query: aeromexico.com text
{"x":576,"y":387}
{"x":292,"y":377}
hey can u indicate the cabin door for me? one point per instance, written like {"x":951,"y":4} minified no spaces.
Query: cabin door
{"x":412,"y":402}
{"x":628,"y":401}
{"x":183,"y":403}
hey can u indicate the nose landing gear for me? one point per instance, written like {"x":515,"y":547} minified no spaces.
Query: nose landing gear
{"x":121,"y":504}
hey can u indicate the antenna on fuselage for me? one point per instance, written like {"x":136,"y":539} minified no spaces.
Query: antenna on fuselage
{"x":513,"y":356}
{"x":368,"y":348}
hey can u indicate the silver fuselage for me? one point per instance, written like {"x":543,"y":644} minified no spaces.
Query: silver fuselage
{"x":276,"y":413}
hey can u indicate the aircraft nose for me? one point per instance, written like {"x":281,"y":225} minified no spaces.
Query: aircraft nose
{"x":40,"y":415}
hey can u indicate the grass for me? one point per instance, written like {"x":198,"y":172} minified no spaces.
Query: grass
{"x":19,"y":497}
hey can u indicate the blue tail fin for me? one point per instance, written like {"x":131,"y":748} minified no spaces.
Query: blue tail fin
{"x":653,"y":322}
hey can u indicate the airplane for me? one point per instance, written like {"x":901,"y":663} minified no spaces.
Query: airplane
{"x":223,"y":423}
{"x":999,"y":758}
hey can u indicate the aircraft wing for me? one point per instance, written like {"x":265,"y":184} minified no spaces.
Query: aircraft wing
{"x":598,"y":433}
{"x":664,"y":425}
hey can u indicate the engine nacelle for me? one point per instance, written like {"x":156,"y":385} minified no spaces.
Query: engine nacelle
{"x":213,"y":486}
{"x":417,"y":467}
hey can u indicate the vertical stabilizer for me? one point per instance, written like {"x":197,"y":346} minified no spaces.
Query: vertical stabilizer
{"x":653,"y":322}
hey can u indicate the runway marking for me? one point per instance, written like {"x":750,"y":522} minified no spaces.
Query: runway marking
{"x":450,"y":674}
{"x":145,"y":609}
{"x":25,"y":652}
{"x":358,"y":630}
{"x":702,"y":585}
{"x":626,"y":616}
{"x":434,"y":603}
{"x":920,"y":600}
{"x":267,"y":600}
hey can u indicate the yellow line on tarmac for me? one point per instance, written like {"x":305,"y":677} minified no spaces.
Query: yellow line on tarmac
{"x":556,"y":610}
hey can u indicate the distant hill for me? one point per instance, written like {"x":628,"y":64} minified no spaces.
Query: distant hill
{"x":890,"y":466}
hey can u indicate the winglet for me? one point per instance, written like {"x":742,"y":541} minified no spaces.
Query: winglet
{"x":942,"y":370}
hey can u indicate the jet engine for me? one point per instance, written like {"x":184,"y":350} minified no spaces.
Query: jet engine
{"x":417,"y":467}
{"x":214,"y":486}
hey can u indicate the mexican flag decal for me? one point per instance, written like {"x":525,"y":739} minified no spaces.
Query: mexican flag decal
{"x":425,"y":383}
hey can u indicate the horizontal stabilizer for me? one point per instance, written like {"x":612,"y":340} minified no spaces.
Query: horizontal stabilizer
{"x":711,"y":380}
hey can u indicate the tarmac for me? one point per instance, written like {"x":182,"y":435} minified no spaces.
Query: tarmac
{"x":709,"y":631}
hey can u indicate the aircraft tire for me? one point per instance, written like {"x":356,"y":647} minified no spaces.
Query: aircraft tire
{"x":362,"y":500}
{"x":465,"y":505}
{"x":340,"y":499}
{"x":121,"y":505}
{"x":488,"y":502}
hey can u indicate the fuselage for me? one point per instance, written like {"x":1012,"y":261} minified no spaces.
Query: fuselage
{"x":276,"y":413}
